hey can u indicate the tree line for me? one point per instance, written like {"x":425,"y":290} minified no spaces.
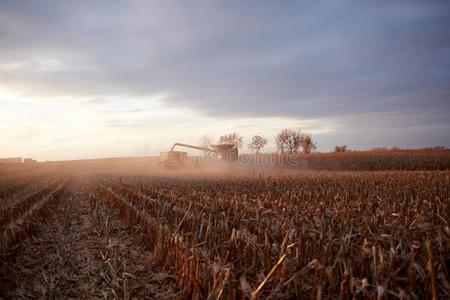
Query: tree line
{"x":287,"y":141}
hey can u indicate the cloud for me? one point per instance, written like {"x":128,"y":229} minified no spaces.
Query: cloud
{"x":234,"y":60}
{"x":133,"y":110}
{"x":95,"y":101}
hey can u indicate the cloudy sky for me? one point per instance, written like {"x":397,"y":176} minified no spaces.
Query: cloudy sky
{"x":81,"y":79}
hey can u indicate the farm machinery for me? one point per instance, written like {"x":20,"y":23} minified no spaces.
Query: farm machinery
{"x":221,"y":153}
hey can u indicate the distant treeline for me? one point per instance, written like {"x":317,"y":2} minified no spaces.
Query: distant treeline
{"x":374,"y":160}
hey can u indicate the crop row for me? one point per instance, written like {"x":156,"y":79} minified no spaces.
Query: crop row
{"x":335,"y":235}
{"x":10,"y":210}
{"x":19,"y":219}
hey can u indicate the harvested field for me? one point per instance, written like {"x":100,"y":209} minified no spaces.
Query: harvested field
{"x":322,"y":235}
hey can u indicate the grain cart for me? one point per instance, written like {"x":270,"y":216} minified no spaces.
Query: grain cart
{"x":221,"y":153}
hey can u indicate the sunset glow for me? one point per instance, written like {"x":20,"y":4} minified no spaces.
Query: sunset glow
{"x":102,"y":79}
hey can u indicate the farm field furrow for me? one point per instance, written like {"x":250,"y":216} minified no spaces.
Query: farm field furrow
{"x":376,"y":235}
{"x":16,"y":186}
{"x":336,"y":234}
{"x":81,"y":250}
{"x":18,"y":222}
{"x":12,"y":208}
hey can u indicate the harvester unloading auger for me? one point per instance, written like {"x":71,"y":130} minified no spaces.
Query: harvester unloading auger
{"x":222,"y":153}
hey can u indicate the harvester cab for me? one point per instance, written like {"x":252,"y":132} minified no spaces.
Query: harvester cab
{"x":221,"y":153}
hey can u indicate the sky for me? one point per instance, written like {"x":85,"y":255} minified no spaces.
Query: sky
{"x":89,"y":79}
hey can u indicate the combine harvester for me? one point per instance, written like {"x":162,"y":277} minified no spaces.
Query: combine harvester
{"x":224,"y":154}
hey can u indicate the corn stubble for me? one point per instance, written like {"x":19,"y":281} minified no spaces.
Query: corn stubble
{"x":18,"y":217}
{"x":323,"y":235}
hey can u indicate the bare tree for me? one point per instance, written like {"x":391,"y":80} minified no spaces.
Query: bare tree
{"x":288,"y":140}
{"x":257,"y":143}
{"x":307,"y":143}
{"x":232,"y":138}
{"x":291,"y":140}
{"x":205,"y":141}
{"x":342,"y":148}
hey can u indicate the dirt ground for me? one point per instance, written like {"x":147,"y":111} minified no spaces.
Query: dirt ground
{"x":83,"y":251}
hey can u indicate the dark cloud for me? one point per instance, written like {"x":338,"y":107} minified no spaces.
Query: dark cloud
{"x":305,"y":59}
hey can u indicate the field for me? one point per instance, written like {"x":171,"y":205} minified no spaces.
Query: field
{"x":83,"y":231}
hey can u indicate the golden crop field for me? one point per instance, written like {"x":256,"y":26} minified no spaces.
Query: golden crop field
{"x":75,"y":232}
